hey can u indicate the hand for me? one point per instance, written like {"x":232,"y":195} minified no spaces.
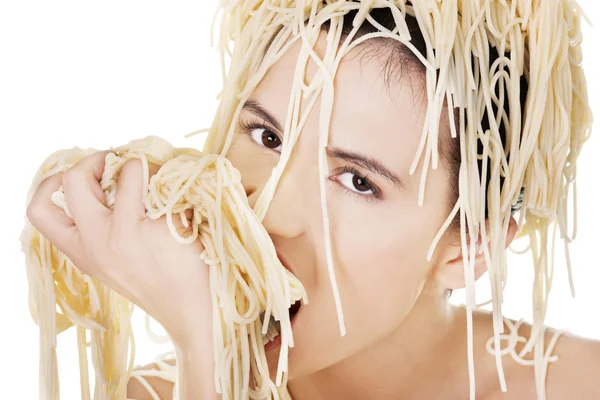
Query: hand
{"x":136,"y":256}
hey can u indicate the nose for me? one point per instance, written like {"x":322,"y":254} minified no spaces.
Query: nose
{"x":285,"y":215}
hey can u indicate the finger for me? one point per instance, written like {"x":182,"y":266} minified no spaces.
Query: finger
{"x":131,"y":190}
{"x":83,"y":192}
{"x":129,"y":201}
{"x":50,"y":220}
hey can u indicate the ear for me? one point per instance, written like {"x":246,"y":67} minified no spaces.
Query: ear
{"x":450,"y":273}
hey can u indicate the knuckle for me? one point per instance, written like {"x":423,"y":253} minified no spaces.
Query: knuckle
{"x":37,"y":208}
{"x":34,"y":212}
{"x":133,"y":166}
{"x":134,"y":163}
{"x":70,"y":178}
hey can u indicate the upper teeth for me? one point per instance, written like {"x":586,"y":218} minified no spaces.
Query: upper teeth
{"x":272,"y":331}
{"x":274,"y":328}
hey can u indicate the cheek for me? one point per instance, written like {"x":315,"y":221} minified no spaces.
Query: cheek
{"x":254,"y":166}
{"x":384,"y":262}
{"x":388,"y":243}
{"x":237,"y":153}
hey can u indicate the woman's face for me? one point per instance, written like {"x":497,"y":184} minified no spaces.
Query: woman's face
{"x":380,"y":236}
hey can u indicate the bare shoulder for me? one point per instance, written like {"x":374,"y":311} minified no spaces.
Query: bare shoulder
{"x":576,"y":373}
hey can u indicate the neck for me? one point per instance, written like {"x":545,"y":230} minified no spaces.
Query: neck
{"x":429,"y":346}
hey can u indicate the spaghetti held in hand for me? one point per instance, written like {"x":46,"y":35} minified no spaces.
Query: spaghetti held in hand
{"x":108,"y":229}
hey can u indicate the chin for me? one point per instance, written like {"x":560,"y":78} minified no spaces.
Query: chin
{"x":273,"y":360}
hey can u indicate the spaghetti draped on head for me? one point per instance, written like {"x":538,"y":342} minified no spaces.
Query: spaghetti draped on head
{"x":538,"y":41}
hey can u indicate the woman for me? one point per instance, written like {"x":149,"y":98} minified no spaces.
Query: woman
{"x":404,"y":340}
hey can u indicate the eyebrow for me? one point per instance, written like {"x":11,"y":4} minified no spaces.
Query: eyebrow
{"x":361,"y":160}
{"x":367,"y":163}
{"x":259,"y":110}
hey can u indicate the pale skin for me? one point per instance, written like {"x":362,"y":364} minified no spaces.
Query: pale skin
{"x":404,"y":340}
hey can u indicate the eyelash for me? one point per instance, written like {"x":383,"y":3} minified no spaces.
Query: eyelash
{"x":348,"y":169}
{"x":248,"y":126}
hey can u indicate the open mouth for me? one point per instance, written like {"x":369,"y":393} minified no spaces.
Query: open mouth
{"x":274,"y":330}
{"x":272,"y":338}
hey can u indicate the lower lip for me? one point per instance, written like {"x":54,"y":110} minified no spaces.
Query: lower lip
{"x":275,"y":343}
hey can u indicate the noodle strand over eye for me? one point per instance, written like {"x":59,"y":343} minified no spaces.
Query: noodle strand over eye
{"x":539,"y":42}
{"x":534,"y":161}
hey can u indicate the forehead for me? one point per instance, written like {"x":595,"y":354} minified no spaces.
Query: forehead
{"x":382,"y":119}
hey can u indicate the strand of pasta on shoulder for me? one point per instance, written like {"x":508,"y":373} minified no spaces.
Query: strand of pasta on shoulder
{"x":512,"y":149}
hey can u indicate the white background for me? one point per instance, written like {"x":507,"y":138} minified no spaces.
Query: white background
{"x":98,"y":74}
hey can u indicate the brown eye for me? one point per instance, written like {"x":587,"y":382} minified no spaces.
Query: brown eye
{"x":270,"y":140}
{"x":360,"y":184}
{"x":356,"y":183}
{"x":266,"y":138}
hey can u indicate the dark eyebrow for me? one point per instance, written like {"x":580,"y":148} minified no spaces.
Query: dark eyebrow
{"x":363,"y":161}
{"x":366,"y":162}
{"x":260,"y":111}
